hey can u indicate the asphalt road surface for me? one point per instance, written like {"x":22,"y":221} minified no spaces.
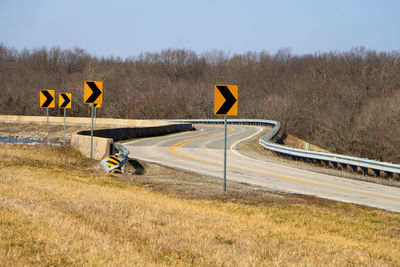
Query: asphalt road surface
{"x":201,"y":151}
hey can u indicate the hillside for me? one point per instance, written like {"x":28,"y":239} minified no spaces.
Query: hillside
{"x":57,"y":209}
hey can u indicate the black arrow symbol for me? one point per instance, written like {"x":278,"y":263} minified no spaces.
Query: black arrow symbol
{"x":66,"y":100}
{"x":49,"y":99}
{"x":95,"y":92}
{"x":230,"y":100}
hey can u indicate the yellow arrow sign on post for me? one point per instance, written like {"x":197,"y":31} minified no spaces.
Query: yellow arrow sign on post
{"x":225,"y":104}
{"x":93,"y":93}
{"x":47,"y":99}
{"x":65,"y":100}
{"x":226,"y":100}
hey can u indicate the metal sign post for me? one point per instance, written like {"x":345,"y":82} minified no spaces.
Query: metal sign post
{"x":65,"y":115}
{"x":93,"y":94}
{"x":225,"y":104}
{"x":47,"y":101}
{"x":48,"y":126}
{"x":226,"y":136}
{"x":65,"y":101}
{"x":91,"y":139}
{"x":95,"y":115}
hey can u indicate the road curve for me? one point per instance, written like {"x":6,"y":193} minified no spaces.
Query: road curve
{"x":202,"y":152}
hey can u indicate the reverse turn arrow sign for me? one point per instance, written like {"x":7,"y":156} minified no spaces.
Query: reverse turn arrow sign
{"x":47,"y":99}
{"x":226,"y":100}
{"x":93,"y":92}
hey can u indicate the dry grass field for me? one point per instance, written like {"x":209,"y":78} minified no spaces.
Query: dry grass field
{"x":58,"y":209}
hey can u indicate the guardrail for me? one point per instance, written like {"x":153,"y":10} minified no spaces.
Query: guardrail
{"x":326,"y":159}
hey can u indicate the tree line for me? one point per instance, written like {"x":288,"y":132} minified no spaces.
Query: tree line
{"x":345,"y":102}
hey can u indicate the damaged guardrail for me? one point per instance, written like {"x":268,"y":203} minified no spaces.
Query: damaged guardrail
{"x":116,"y":161}
{"x":317,"y":157}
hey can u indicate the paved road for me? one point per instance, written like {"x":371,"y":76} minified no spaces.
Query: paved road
{"x":202,"y":152}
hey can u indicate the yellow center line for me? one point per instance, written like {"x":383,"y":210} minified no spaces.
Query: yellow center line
{"x":186,"y":141}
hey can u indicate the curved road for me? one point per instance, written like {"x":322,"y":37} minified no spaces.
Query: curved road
{"x":202,"y":152}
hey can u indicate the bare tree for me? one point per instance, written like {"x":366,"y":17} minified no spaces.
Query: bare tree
{"x":345,"y":102}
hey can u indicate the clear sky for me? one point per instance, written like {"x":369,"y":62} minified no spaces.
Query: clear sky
{"x":126,"y":28}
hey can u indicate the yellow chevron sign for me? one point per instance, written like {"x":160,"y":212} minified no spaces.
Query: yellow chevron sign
{"x":93,"y":92}
{"x":226,"y":100}
{"x":112,"y":161}
{"x":47,"y":99}
{"x":65,"y":100}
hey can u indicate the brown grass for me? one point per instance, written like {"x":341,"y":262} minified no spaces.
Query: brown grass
{"x":293,"y":141}
{"x":57,"y":209}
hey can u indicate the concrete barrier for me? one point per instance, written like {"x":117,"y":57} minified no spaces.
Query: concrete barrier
{"x":101,"y":146}
{"x":80,"y":121}
{"x":119,"y":129}
{"x":118,"y":134}
{"x":102,"y":139}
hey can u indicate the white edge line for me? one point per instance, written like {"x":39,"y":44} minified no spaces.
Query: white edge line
{"x":233,"y":149}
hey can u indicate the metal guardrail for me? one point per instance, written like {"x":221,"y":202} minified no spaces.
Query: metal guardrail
{"x":326,"y":158}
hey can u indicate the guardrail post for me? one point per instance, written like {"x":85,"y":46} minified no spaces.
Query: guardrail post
{"x":344,"y":166}
{"x":365,"y":171}
{"x":377,"y":172}
{"x":353,"y":168}
{"x":389,"y":174}
{"x":334,"y":164}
